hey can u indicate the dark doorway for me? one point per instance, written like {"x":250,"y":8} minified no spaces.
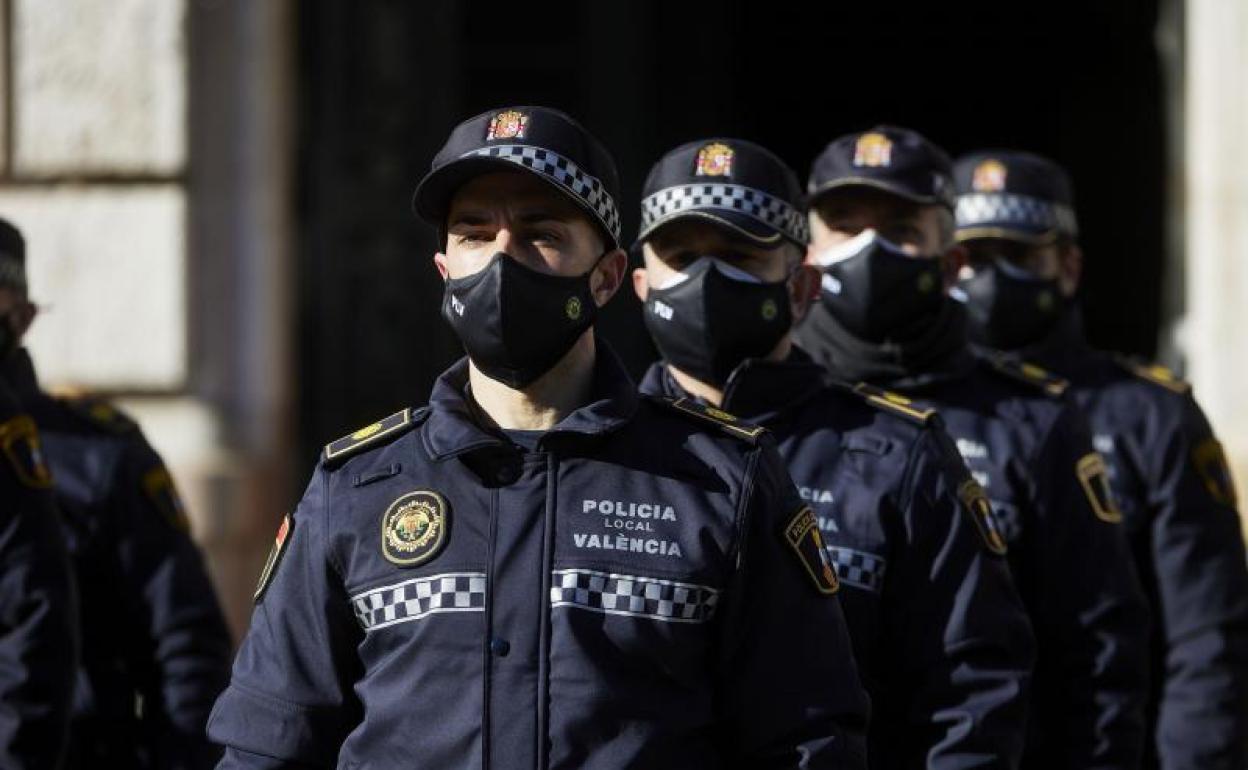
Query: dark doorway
{"x":382,"y":82}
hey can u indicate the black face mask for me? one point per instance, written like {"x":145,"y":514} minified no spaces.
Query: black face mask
{"x":711,"y":321}
{"x":8,"y":337}
{"x":877,"y":291}
{"x":516,"y":323}
{"x":1007,"y":307}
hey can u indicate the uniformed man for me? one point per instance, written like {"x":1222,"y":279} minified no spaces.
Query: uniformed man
{"x":941,"y":637}
{"x":541,"y":569}
{"x":38,"y":608}
{"x":1015,"y":215}
{"x":155,"y":645}
{"x":881,"y":218}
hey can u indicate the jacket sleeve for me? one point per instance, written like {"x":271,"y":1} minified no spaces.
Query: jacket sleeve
{"x":791,"y":696}
{"x":181,"y":645}
{"x":290,"y":702}
{"x":38,"y":633}
{"x":1197,"y":552}
{"x":1090,"y":610}
{"x":958,"y":629}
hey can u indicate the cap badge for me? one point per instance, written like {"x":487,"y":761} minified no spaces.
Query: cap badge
{"x":989,"y":176}
{"x":508,"y":125}
{"x":715,"y":159}
{"x":873,"y":149}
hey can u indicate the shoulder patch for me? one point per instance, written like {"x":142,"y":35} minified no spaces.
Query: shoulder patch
{"x":370,"y":435}
{"x":1030,"y":374}
{"x":275,"y":555}
{"x":1210,"y":462}
{"x":98,"y":412}
{"x":19,"y":440}
{"x":728,"y":423}
{"x":159,"y":488}
{"x":975,"y":500}
{"x":1154,"y":373}
{"x":803,"y":536}
{"x":893,"y":402}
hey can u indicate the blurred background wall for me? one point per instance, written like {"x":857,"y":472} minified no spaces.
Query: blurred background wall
{"x":215,"y":192}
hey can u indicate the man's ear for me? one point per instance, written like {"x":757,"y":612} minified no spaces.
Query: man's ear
{"x":803,"y":289}
{"x":641,"y":283}
{"x":952,"y":261}
{"x":608,"y":276}
{"x":1069,"y":269}
{"x":439,"y":261}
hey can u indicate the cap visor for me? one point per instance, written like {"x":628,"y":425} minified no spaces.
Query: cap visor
{"x":737,"y":224}
{"x":1010,"y":233}
{"x":883,"y":185}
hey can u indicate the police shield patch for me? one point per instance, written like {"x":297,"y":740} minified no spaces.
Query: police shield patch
{"x":275,"y":555}
{"x":158,"y":485}
{"x":20,"y":440}
{"x":976,"y":502}
{"x":1210,"y":463}
{"x":413,"y":528}
{"x":803,"y":536}
{"x":1094,"y":476}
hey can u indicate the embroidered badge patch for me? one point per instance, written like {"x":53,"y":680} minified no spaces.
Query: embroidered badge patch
{"x":275,"y":555}
{"x":507,"y":125}
{"x":1094,"y":476}
{"x":159,"y":488}
{"x":803,"y":536}
{"x":1210,"y":462}
{"x":976,"y":502}
{"x":715,"y":159}
{"x":413,"y":528}
{"x":873,"y":150}
{"x":989,"y":176}
{"x":20,"y":441}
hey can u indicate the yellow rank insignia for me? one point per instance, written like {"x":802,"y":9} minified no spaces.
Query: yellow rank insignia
{"x":989,"y":176}
{"x":727,"y":422}
{"x":803,"y":536}
{"x":1210,"y":462}
{"x":413,"y":528}
{"x":158,"y":485}
{"x":507,"y":125}
{"x":1094,"y":476}
{"x":976,"y":503}
{"x":873,"y":150}
{"x":715,"y":159}
{"x":19,"y":439}
{"x":275,"y":555}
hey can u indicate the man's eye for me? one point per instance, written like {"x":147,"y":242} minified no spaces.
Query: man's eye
{"x":470,"y":237}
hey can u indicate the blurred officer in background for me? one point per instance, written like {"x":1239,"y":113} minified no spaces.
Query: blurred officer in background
{"x":1015,"y":216}
{"x":541,"y":569}
{"x":881,"y":218}
{"x":941,"y":637}
{"x":38,"y":608}
{"x":155,"y":647}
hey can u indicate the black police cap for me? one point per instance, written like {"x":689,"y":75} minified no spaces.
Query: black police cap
{"x":888,"y":158}
{"x":12,"y":256}
{"x":732,"y":183}
{"x":1012,"y":194}
{"x":539,"y":140}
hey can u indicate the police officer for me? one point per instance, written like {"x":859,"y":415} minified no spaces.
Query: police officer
{"x":1015,"y":215}
{"x":38,"y":609}
{"x":540,"y":568}
{"x":881,"y":223}
{"x":155,"y":646}
{"x":941,"y":637}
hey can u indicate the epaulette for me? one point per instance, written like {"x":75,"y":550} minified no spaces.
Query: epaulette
{"x":98,"y":412}
{"x":730,"y":424}
{"x":1030,"y":374}
{"x":891,"y":402}
{"x":1154,"y":373}
{"x":371,"y":435}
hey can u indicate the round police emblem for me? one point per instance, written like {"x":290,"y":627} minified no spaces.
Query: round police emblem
{"x":769,"y":310}
{"x":572,"y":309}
{"x":413,"y":528}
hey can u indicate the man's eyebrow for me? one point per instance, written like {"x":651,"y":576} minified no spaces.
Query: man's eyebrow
{"x":469,"y":218}
{"x":534,"y":216}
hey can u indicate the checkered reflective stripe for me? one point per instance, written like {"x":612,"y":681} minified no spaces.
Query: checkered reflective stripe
{"x":563,"y":171}
{"x":769,"y":210}
{"x":418,"y":598}
{"x":980,"y":209}
{"x":640,"y":597}
{"x":860,"y":569}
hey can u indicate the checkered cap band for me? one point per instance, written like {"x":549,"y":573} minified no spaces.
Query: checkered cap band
{"x":563,"y":172}
{"x":1006,"y":209}
{"x":12,"y":272}
{"x":860,"y":569}
{"x":419,"y":598}
{"x":767,"y":209}
{"x":639,"y":597}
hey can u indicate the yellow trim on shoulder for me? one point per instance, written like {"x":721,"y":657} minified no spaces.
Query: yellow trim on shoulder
{"x":367,"y":435}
